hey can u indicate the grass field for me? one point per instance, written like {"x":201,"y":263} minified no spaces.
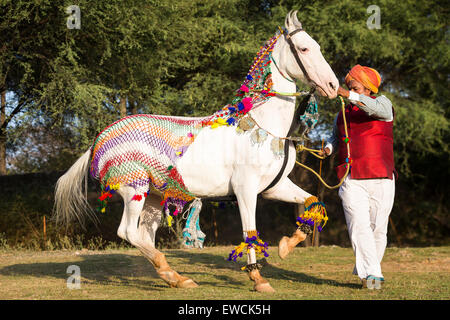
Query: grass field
{"x":308,"y":273}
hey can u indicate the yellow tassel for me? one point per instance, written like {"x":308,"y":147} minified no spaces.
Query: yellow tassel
{"x":221,"y":121}
{"x":169,"y":220}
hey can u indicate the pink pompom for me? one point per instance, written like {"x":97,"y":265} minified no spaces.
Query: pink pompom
{"x":244,"y":88}
{"x":248,"y":105}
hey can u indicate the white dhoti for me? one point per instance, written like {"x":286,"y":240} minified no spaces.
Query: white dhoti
{"x":367,"y":204}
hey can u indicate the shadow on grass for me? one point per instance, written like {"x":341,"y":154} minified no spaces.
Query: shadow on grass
{"x":269,"y":271}
{"x":106,"y":269}
{"x":128,"y":270}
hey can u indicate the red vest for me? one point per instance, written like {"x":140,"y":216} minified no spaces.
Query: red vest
{"x":371,"y":145}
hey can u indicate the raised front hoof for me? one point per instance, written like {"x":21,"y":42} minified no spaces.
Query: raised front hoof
{"x":187,"y":283}
{"x":264,"y":287}
{"x":283,"y":248}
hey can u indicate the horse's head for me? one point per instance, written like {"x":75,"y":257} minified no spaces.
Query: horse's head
{"x":304,"y":61}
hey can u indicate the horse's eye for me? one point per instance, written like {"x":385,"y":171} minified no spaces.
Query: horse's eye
{"x":304,"y":50}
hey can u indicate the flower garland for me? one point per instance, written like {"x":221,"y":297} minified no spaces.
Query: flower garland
{"x":252,"y":241}
{"x":314,"y":215}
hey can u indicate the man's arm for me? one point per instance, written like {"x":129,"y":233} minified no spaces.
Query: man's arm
{"x":379,"y":108}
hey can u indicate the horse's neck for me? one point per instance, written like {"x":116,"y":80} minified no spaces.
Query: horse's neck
{"x":275,"y":115}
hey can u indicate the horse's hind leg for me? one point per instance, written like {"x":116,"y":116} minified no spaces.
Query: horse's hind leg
{"x":140,"y":221}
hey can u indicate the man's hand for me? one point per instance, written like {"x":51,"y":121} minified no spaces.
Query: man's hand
{"x":325,"y":152}
{"x":342,"y":92}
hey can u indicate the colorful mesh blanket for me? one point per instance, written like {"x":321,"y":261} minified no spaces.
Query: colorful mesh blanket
{"x":142,"y":151}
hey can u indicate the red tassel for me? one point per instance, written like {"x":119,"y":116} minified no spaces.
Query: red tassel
{"x":137,"y":197}
{"x":103,"y":197}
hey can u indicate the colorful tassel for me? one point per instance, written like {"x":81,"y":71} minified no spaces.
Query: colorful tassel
{"x":314,"y":214}
{"x":247,"y":102}
{"x":169,"y":220}
{"x":252,"y":242}
{"x":136,"y":197}
{"x":231,"y":121}
{"x":106,"y":193}
{"x":244,"y":88}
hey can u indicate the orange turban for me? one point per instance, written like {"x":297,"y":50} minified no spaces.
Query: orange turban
{"x":368,"y":77}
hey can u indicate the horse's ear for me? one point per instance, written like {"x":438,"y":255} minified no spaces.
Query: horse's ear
{"x":297,"y":24}
{"x":287,"y":22}
{"x":291,"y":22}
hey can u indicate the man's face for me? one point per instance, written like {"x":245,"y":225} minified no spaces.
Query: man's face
{"x":357,"y":87}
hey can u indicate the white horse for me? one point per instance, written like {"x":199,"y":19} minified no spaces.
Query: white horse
{"x":222,"y":162}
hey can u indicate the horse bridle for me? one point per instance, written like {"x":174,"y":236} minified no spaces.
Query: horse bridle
{"x":288,"y":37}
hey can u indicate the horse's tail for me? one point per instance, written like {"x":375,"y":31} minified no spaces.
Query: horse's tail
{"x":71,"y":194}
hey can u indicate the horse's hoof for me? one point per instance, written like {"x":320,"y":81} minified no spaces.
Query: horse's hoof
{"x":188,"y":283}
{"x":264,"y":287}
{"x":283,"y":249}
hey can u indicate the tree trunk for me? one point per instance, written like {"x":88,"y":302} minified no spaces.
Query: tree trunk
{"x":123,"y":106}
{"x":133,"y":106}
{"x":3,"y":134}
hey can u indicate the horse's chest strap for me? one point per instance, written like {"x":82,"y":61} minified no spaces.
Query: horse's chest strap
{"x":294,"y":126}
{"x":283,"y":167}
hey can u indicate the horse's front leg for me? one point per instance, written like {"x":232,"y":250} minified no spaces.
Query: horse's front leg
{"x":245,"y":189}
{"x":287,"y":191}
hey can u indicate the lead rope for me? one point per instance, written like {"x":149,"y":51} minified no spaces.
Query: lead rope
{"x":315,"y":153}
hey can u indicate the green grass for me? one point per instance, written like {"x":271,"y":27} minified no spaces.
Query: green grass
{"x":308,"y":273}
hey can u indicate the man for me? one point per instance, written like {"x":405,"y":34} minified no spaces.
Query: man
{"x":367,"y":193}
